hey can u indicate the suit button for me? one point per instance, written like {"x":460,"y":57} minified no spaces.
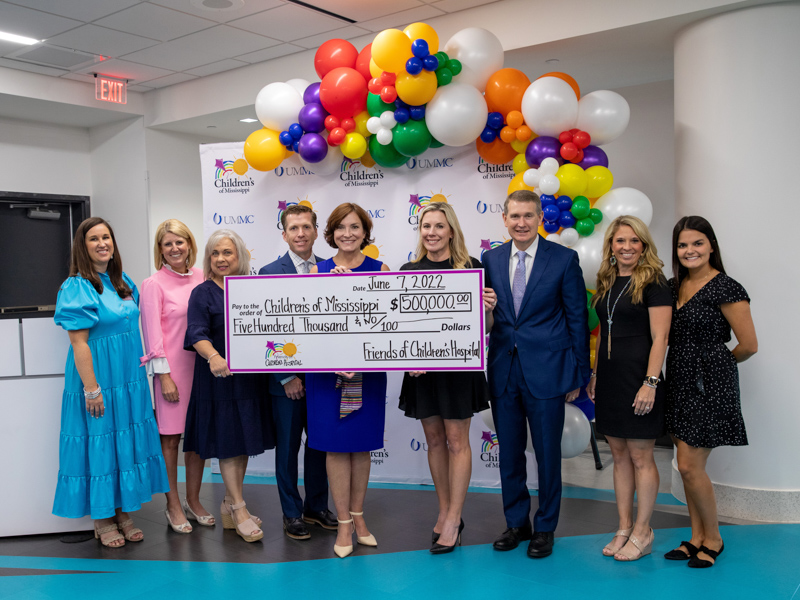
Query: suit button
{"x":516,"y":328}
{"x":510,"y":352}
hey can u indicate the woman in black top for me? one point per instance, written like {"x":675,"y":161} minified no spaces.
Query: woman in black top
{"x":445,"y":401}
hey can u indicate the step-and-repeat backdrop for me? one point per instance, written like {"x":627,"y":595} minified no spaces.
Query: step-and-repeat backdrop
{"x":250,"y":202}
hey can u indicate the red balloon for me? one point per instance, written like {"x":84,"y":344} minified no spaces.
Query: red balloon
{"x":582,"y":139}
{"x":362,"y":62}
{"x":574,"y":130}
{"x":343,"y":92}
{"x":578,"y":157}
{"x":333,"y":54}
{"x":565,"y":137}
{"x":389,"y":94}
{"x":569,"y":151}
{"x":331,"y":122}
{"x":375,"y":86}
{"x":388,"y":78}
{"x":336,"y":136}
{"x":348,"y":124}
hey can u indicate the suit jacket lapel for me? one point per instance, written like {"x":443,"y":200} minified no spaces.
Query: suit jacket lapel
{"x":505,"y":257}
{"x":539,"y":265}
{"x":288,"y":264}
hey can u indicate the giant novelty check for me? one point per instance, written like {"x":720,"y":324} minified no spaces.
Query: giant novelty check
{"x":409,"y":321}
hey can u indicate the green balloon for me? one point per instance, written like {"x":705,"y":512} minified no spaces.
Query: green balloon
{"x":376,"y":107}
{"x":585,"y":227}
{"x":411,"y":138}
{"x":443,"y":76}
{"x":596,"y":216}
{"x":580,"y":208}
{"x":386,"y":156}
{"x":594,"y":320}
{"x":443,"y":58}
{"x":454,"y":66}
{"x":436,"y":143}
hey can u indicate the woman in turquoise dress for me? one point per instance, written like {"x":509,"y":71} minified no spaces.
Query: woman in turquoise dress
{"x":347,"y":411}
{"x":110,"y":459}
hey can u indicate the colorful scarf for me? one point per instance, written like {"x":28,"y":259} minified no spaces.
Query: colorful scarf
{"x":351,"y":394}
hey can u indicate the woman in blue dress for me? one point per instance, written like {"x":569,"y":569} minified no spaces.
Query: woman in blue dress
{"x":346,"y":411}
{"x":110,"y":459}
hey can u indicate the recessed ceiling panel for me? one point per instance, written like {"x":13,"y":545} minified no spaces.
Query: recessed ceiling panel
{"x":157,"y":22}
{"x":288,"y":23}
{"x":123,"y":69}
{"x":401,"y":19}
{"x":54,"y":57}
{"x":82,"y":10}
{"x":32,"y":23}
{"x":270,"y":53}
{"x":217,"y":67}
{"x":346,"y":33}
{"x":99,"y":40}
{"x":220,"y":16}
{"x":170,"y":80}
{"x":358,"y":10}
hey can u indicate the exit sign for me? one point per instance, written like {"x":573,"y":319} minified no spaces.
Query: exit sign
{"x":109,"y":89}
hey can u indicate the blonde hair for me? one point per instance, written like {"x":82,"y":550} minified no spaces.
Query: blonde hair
{"x":241,"y":251}
{"x":175,"y":227}
{"x":459,"y":255}
{"x":646,"y":272}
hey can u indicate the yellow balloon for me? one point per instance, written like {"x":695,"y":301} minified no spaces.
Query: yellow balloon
{"x":519,"y":146}
{"x":354,"y":145}
{"x":263,"y":150}
{"x":391,"y":48}
{"x":416,"y":89}
{"x":542,"y":231}
{"x":599,"y":180}
{"x":374,"y":69}
{"x":518,"y":184}
{"x":573,"y":180}
{"x":361,"y":123}
{"x":417,"y":31}
{"x":520,"y":165}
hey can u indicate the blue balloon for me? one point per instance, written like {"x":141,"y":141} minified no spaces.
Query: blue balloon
{"x":550,"y":226}
{"x":285,"y":138}
{"x":296,"y":145}
{"x":488,"y":135}
{"x":566,"y":219}
{"x":401,"y":115}
{"x":547,"y":199}
{"x":296,"y":131}
{"x":400,"y":104}
{"x":414,"y":66}
{"x":564,"y":203}
{"x":419,"y":48}
{"x":551,"y":213}
{"x":495,"y":120}
{"x":417,"y":112}
{"x":430,"y":62}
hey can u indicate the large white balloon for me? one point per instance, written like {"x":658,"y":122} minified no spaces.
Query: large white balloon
{"x":480,"y":53}
{"x":624,"y":201}
{"x":590,"y":256}
{"x":277,"y":106}
{"x":576,"y":433}
{"x":603,"y":114}
{"x":299,"y":84}
{"x":328,"y":165}
{"x":456,"y":114}
{"x":550,"y":106}
{"x":549,"y":184}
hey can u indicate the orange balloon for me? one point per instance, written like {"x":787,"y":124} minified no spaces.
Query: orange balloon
{"x":505,"y":89}
{"x":507,"y":134}
{"x":496,"y":152}
{"x":571,"y":81}
{"x":514,"y":119}
{"x":524,"y":133}
{"x":518,"y":184}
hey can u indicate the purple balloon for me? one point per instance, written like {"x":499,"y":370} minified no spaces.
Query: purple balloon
{"x":312,"y":94}
{"x":312,"y":147}
{"x":312,"y":117}
{"x":540,"y":148}
{"x":593,"y":157}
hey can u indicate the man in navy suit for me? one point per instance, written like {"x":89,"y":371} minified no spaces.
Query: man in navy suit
{"x":538,"y":359}
{"x":289,"y":403}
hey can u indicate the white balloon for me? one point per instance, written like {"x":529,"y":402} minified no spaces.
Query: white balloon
{"x":277,"y":106}
{"x":590,"y":256}
{"x":576,"y":433}
{"x":531,"y":177}
{"x":299,"y":84}
{"x":374,"y":124}
{"x":456,"y":114}
{"x":570,"y":237}
{"x":384,"y":137}
{"x":549,"y":184}
{"x":328,"y":165}
{"x":603,"y":114}
{"x":480,"y":53}
{"x":550,"y":106}
{"x":549,"y":166}
{"x":387,"y":119}
{"x":624,"y":201}
{"x":555,"y":238}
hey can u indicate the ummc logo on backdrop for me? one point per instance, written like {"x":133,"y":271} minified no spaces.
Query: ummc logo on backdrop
{"x":416,"y":445}
{"x":490,"y":171}
{"x":489,"y":450}
{"x":489,"y":244}
{"x":229,"y":176}
{"x":233,"y":219}
{"x":417,"y":203}
{"x":284,"y":204}
{"x":490,"y":207}
{"x":429,"y":163}
{"x":378,"y":213}
{"x":291,"y":171}
{"x":354,"y":173}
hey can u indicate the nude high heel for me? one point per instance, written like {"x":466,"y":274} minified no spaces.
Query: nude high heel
{"x":247,"y":529}
{"x":643,"y":549}
{"x":342,"y":551}
{"x":227,"y":516}
{"x":367,"y":540}
{"x":624,"y":533}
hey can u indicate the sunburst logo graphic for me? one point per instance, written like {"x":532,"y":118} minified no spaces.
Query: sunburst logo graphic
{"x":284,"y":204}
{"x":238,"y":166}
{"x":489,"y":441}
{"x":277,"y":349}
{"x":348,"y":164}
{"x":418,"y":202}
{"x":489,"y":244}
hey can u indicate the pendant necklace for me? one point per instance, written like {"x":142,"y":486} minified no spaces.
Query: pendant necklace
{"x":610,"y":310}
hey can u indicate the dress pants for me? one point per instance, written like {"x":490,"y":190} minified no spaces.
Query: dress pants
{"x":545,"y":417}
{"x":290,"y":421}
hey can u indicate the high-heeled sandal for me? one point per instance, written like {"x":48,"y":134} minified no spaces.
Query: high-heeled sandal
{"x":205,"y":520}
{"x":701,"y":563}
{"x":342,"y":551}
{"x":625,"y":533}
{"x":227,"y":517}
{"x":246,"y":529}
{"x":109,"y":541}
{"x":182,"y":528}
{"x":644,"y":549}
{"x":367,"y":540}
{"x":678,"y":554}
{"x":438,"y":548}
{"x":133,"y":531}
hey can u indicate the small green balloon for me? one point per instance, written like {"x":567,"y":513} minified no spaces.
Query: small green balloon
{"x":436,"y":143}
{"x":376,"y":107}
{"x":596,"y":216}
{"x":443,"y":76}
{"x":454,"y":66}
{"x":443,"y":58}
{"x":584,"y":227}
{"x":386,"y":156}
{"x":580,"y":208}
{"x":411,"y":138}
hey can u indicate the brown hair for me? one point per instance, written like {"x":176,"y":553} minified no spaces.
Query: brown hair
{"x":339,"y":214}
{"x":179,"y":229}
{"x":81,"y":264}
{"x":298,"y":209}
{"x":700,"y":225}
{"x":523,"y":196}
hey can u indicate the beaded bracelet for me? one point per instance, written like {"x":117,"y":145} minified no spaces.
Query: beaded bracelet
{"x":212,"y":356}
{"x":92,"y":395}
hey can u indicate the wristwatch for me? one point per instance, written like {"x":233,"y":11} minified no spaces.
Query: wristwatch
{"x":652,"y":381}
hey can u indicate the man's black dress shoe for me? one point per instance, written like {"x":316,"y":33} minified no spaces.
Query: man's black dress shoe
{"x":511,"y":538}
{"x":295,"y":528}
{"x":324,"y":518}
{"x":541,"y":544}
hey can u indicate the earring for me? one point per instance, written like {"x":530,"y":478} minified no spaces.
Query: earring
{"x":613,"y":260}
{"x":641,"y":260}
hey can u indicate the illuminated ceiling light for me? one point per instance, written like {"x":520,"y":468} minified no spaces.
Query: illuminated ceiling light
{"x":18,"y":39}
{"x":248,"y":120}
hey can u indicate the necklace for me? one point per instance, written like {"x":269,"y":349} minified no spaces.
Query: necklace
{"x":611,"y":310}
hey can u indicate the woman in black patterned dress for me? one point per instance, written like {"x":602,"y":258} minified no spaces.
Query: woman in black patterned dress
{"x":703,"y":405}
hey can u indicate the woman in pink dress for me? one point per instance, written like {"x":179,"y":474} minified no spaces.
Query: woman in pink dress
{"x":164,"y":301}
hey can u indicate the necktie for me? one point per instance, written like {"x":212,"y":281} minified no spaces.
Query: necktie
{"x":518,"y":285}
{"x":305,"y":267}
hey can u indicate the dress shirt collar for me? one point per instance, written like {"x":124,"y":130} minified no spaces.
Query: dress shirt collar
{"x":299,"y":260}
{"x":531,"y":251}
{"x":187,"y":274}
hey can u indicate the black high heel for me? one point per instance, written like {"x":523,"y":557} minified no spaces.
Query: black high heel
{"x":700,"y":563}
{"x":438,"y":548}
{"x":435,"y":536}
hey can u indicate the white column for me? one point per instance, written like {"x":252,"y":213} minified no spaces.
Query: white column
{"x":737,"y":124}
